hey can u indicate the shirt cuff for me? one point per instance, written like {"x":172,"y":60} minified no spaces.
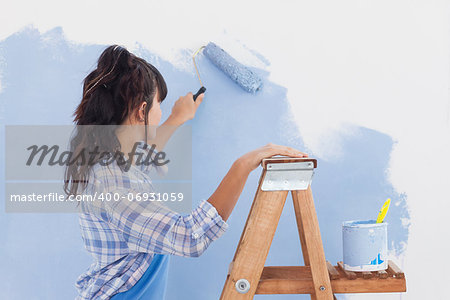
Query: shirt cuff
{"x":207,"y":222}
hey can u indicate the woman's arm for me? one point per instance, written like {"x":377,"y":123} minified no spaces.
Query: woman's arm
{"x":229,"y":190}
{"x":227,"y":193}
{"x":183,"y":110}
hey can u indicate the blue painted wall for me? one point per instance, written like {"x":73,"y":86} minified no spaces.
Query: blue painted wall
{"x":42,"y":254}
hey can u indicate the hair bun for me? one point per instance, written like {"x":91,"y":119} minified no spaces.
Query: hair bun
{"x":123,"y":58}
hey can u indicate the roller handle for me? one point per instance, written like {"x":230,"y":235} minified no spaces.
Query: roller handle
{"x":200,"y":91}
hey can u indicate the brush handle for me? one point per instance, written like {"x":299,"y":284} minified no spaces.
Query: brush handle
{"x":200,"y":91}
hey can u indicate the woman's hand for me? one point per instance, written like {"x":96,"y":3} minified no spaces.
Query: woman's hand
{"x":184,"y":108}
{"x":252,"y":159}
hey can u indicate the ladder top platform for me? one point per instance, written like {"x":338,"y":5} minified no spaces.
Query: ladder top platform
{"x":286,"y":159}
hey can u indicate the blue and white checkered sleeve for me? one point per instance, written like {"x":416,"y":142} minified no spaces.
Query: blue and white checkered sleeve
{"x":151,"y":227}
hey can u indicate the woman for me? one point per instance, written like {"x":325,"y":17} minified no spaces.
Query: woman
{"x":130,"y":240}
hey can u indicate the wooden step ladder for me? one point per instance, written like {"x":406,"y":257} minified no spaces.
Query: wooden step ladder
{"x":247,"y":274}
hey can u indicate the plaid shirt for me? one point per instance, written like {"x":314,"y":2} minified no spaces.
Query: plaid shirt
{"x":123,"y":236}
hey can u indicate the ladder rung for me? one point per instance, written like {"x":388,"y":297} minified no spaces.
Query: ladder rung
{"x":298,"y":280}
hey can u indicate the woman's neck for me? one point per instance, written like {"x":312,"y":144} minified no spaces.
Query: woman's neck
{"x":128,"y":135}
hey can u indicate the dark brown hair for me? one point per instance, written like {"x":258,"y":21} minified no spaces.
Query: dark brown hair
{"x":111,"y":93}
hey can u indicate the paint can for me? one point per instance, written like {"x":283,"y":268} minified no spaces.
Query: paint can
{"x":365,"y":245}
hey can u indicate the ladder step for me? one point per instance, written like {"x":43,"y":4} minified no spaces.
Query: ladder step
{"x":288,"y":272}
{"x":298,"y":280}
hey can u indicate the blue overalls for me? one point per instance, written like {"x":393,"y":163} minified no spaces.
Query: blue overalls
{"x":152,"y":285}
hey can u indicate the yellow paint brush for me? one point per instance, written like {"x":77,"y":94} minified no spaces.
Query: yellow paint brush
{"x":383,"y":211}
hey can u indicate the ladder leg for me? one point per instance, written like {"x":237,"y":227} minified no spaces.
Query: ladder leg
{"x":311,"y":241}
{"x":254,"y":245}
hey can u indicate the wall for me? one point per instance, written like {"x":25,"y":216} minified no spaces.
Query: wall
{"x":362,"y":87}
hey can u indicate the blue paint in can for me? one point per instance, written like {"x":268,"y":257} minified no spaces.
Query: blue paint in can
{"x":365,"y":245}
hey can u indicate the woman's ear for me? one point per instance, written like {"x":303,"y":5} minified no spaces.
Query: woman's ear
{"x":141,"y":112}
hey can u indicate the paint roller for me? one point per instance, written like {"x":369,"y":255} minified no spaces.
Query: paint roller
{"x":243,"y":76}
